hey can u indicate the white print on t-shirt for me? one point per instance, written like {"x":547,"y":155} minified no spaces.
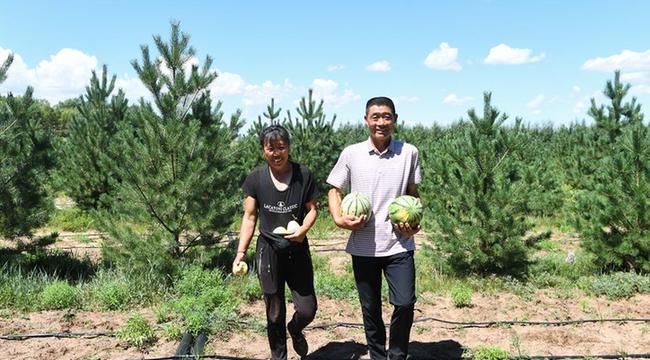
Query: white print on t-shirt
{"x":280,"y":208}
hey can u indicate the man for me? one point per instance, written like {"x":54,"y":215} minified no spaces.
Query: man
{"x":381,"y":168}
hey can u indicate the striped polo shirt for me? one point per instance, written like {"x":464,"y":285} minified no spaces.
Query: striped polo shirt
{"x":382,"y":177}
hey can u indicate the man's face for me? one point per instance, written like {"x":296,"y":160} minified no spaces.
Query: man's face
{"x":276,"y":153}
{"x":381,"y":122}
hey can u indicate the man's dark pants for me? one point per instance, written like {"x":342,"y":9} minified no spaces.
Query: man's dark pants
{"x":294,"y":267}
{"x":399,"y":270}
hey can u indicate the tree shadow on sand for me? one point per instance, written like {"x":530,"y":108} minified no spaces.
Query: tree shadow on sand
{"x":441,"y":350}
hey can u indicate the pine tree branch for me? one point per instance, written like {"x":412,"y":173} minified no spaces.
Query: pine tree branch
{"x":152,"y":210}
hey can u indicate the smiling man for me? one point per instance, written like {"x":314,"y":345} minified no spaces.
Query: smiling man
{"x":382,"y":168}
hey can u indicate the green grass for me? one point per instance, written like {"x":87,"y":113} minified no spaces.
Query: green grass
{"x":616,"y":285}
{"x":137,"y":331}
{"x":331,"y":285}
{"x":71,"y":219}
{"x":461,"y":295}
{"x":60,"y":295}
{"x":487,"y":352}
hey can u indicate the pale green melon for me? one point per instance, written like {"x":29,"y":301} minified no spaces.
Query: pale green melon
{"x":356,"y":204}
{"x":405,"y":209}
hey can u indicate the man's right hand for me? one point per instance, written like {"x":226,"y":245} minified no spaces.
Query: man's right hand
{"x":351,"y":222}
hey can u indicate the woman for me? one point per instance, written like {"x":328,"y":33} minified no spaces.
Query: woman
{"x":279,"y":192}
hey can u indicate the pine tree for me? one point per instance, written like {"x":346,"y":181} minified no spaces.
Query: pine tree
{"x":479,"y":196}
{"x":612,"y":213}
{"x":85,"y":171}
{"x":177,"y":163}
{"x":25,"y":161}
{"x":313,"y":140}
{"x":4,"y":68}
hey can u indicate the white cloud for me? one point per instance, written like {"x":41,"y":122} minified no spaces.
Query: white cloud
{"x":381,"y":66}
{"x":579,"y":107}
{"x":333,"y":68}
{"x":19,"y":75}
{"x":536,"y":102}
{"x":636,"y":77}
{"x":327,"y":90}
{"x":443,"y":58}
{"x":504,"y":54}
{"x":227,"y":84}
{"x":455,"y":100}
{"x":255,"y":95}
{"x":640,"y":90}
{"x":133,"y":88}
{"x":64,"y":75}
{"x":627,"y":60}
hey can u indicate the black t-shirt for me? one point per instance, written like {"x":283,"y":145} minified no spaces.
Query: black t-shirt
{"x":276,"y":208}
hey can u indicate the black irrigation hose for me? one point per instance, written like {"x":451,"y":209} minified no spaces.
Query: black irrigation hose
{"x":222,"y":357}
{"x":355,"y":325}
{"x":603,"y":356}
{"x":461,"y":324}
{"x":86,"y":335}
{"x":517,"y":322}
{"x":534,"y":357}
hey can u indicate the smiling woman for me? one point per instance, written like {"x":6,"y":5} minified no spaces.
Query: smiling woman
{"x":283,"y":194}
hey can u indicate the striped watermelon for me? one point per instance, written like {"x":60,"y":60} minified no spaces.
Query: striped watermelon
{"x":356,"y":204}
{"x":405,"y":209}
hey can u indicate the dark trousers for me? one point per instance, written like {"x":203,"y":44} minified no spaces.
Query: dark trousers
{"x":399,"y":270}
{"x":275,"y":268}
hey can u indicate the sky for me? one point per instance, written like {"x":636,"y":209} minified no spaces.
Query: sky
{"x":543,"y":61}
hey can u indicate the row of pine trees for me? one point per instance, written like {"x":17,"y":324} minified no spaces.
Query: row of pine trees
{"x":162,"y":176}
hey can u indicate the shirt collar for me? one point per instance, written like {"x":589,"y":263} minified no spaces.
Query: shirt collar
{"x":372,"y":148}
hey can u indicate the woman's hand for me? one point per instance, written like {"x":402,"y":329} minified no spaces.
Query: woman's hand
{"x":298,"y":236}
{"x":239,"y":258}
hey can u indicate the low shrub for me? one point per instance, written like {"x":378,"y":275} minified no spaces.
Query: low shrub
{"x":60,"y":295}
{"x":137,"y":331}
{"x":461,"y":295}
{"x":487,"y":352}
{"x":615,"y":286}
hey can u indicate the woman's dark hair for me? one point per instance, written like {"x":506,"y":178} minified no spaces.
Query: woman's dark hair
{"x":274,"y":133}
{"x":380,"y":101}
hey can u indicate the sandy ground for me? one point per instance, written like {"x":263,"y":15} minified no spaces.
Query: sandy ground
{"x":429,"y":339}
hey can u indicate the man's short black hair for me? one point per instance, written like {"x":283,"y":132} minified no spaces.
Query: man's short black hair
{"x":380,"y":101}
{"x":274,"y":133}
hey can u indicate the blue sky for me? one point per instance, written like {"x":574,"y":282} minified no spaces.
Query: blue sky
{"x":542,"y":60}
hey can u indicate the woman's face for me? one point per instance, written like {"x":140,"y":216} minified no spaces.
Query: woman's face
{"x":276,"y":153}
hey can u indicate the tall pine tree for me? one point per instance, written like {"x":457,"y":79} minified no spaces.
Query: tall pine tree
{"x":85,"y":171}
{"x":177,"y":162}
{"x":25,"y":161}
{"x":613,"y":216}
{"x":479,"y":197}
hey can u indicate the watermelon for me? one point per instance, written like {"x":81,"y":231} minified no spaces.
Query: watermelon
{"x":405,"y":209}
{"x":356,"y":204}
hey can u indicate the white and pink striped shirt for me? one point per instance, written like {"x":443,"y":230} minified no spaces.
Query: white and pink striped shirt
{"x":382,"y":177}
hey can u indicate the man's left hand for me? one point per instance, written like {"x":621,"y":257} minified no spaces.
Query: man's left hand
{"x":406,"y":230}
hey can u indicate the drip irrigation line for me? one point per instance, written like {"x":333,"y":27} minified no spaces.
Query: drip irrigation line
{"x":461,"y":324}
{"x":602,"y":356}
{"x":197,"y":357}
{"x":529,"y":323}
{"x":86,"y":335}
{"x":533,"y":357}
